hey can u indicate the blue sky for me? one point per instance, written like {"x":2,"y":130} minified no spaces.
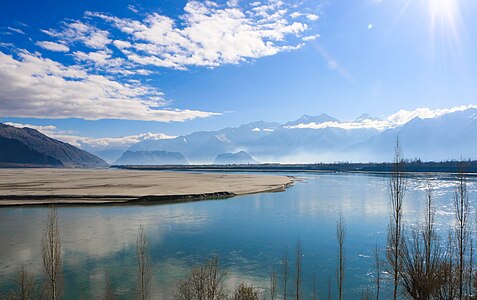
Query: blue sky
{"x":103,"y":69}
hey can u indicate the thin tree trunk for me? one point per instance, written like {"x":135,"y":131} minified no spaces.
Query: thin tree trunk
{"x":298,"y":259}
{"x":340,"y":235}
{"x":397,"y":186}
{"x":378,"y":271}
{"x":315,"y":292}
{"x":285,"y":272}
{"x":461,"y":204}
{"x":144,"y":265}
{"x":51,"y":254}
{"x":273,"y":284}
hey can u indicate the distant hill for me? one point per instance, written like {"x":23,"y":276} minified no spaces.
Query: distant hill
{"x":152,"y":158}
{"x":30,"y":147}
{"x":239,"y":158}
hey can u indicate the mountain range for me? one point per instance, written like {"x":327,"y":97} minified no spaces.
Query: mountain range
{"x":324,"y":138}
{"x":445,"y":136}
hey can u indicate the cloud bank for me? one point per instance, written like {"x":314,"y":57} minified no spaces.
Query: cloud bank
{"x":33,"y":86}
{"x":208,"y":35}
{"x":392,"y":121}
{"x":95,"y":143}
{"x":106,"y":57}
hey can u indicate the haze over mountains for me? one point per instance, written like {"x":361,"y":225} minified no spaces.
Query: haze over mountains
{"x":322,"y":138}
{"x":151,"y":158}
{"x":442,"y":135}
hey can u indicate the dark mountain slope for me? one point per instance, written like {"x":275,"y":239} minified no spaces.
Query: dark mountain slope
{"x":22,"y":145}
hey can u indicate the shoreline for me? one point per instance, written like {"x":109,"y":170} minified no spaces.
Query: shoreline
{"x":40,"y":187}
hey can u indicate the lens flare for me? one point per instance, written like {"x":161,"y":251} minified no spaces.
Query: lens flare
{"x":445,"y":26}
{"x":443,"y":8}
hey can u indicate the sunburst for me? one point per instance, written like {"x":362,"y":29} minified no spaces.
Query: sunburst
{"x":444,"y":23}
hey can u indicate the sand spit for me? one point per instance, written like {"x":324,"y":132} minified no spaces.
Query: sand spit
{"x":110,"y":186}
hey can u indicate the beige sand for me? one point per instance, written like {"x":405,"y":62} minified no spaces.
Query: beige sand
{"x":101,"y":186}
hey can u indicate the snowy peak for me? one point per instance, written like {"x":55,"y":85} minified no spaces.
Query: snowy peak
{"x":307,"y":119}
{"x":366,"y":117}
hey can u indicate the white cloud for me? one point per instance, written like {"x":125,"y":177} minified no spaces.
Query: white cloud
{"x":296,"y":14}
{"x":96,"y":143}
{"x":52,"y":46}
{"x":17,"y":30}
{"x":256,"y":129}
{"x":113,"y":142}
{"x":232,"y":3}
{"x":133,"y":9}
{"x":370,"y":26}
{"x":7,"y":45}
{"x":404,"y":116}
{"x":209,"y":35}
{"x":44,"y":129}
{"x":392,"y":121}
{"x":78,"y":31}
{"x":310,"y":37}
{"x":33,"y":86}
{"x":312,"y":17}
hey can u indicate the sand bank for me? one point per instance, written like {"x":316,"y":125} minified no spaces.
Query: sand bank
{"x":107,"y":186}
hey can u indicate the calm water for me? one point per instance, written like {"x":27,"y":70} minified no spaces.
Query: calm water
{"x":250,"y":234}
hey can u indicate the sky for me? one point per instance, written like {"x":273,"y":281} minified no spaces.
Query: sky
{"x":104,"y":70}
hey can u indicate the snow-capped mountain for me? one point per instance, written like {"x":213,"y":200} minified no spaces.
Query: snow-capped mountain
{"x":445,"y":134}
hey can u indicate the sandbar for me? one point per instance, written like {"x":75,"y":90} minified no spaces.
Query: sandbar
{"x":114,"y":186}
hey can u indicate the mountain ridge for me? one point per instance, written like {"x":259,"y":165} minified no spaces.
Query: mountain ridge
{"x":29,"y":146}
{"x":286,"y":143}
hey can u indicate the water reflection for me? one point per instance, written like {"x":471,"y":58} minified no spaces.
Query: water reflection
{"x":249,"y":233}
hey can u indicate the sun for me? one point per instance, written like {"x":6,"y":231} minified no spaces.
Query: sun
{"x":445,"y":26}
{"x":443,"y":11}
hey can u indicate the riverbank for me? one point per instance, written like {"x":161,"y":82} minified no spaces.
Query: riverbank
{"x":469,"y":167}
{"x":110,"y":186}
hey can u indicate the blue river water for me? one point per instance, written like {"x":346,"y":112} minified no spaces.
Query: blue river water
{"x":250,"y":234}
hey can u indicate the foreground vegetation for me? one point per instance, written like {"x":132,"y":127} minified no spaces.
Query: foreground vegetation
{"x":417,"y":263}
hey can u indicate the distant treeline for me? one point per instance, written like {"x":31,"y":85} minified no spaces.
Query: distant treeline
{"x":414,"y":166}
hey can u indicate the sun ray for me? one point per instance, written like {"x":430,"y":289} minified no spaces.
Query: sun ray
{"x":445,"y":29}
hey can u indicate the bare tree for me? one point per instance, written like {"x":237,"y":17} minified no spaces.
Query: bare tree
{"x":314,"y":295}
{"x":329,"y":288}
{"x":273,"y":284}
{"x":429,"y":232}
{"x":108,"y":290}
{"x":340,"y":235}
{"x":377,"y":262}
{"x":51,"y":255}
{"x":144,"y":265}
{"x":25,"y":284}
{"x":285,"y":274}
{"x":203,"y":283}
{"x":245,"y":292}
{"x":423,"y":262}
{"x":413,"y":275}
{"x":298,"y":259}
{"x":397,"y":187}
{"x":470,"y":276}
{"x":461,"y":212}
{"x":447,"y":290}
